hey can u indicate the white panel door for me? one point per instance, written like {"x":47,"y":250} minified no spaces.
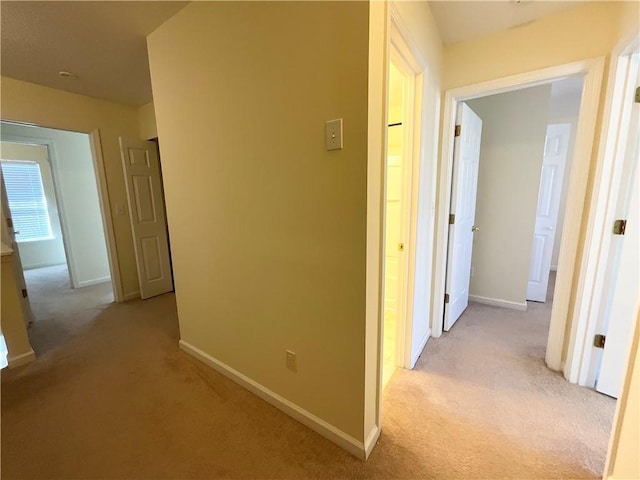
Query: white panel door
{"x":626,"y":294}
{"x":463,"y":206}
{"x":555,"y":156}
{"x":146,"y":211}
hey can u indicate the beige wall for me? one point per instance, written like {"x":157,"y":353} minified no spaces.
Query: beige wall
{"x":274,"y":256}
{"x":582,"y":32}
{"x":514,"y":126}
{"x":147,"y":120}
{"x":39,"y":253}
{"x":27,"y":102}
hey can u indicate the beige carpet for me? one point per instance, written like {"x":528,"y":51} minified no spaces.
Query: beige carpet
{"x":119,"y":400}
{"x":57,"y":308}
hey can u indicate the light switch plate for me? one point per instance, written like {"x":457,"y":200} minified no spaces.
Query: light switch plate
{"x":334,"y":134}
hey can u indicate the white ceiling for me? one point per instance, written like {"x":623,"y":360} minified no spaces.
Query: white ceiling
{"x":102,"y":42}
{"x":463,"y":20}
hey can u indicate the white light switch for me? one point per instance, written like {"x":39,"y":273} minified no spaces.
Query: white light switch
{"x":334,"y":134}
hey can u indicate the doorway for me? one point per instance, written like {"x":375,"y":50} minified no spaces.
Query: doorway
{"x":56,"y":228}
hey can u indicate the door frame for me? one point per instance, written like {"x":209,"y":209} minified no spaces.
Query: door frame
{"x":402,"y":57}
{"x":579,"y":365}
{"x":592,"y":69}
{"x":103,"y":197}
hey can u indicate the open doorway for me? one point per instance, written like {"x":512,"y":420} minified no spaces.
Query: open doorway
{"x":397,"y":210}
{"x":53,"y":206}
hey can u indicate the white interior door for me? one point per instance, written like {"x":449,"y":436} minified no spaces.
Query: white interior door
{"x":555,"y":156}
{"x":463,"y":207}
{"x":9,"y":236}
{"x":146,"y":211}
{"x":621,"y":312}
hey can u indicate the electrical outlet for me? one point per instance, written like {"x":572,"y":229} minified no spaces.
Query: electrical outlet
{"x":292,"y":362}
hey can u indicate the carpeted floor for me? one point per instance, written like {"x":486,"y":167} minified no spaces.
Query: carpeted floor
{"x":57,"y":307}
{"x":119,"y":400}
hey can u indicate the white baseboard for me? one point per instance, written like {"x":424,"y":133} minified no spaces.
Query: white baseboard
{"x":33,"y":266}
{"x":93,"y":281}
{"x":131,"y":296}
{"x":423,"y":343}
{"x":497,"y":302}
{"x":21,"y":359}
{"x":371,"y":440}
{"x":353,"y":446}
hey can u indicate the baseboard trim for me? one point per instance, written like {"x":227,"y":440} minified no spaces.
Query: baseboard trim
{"x":22,"y":359}
{"x":34,"y":266}
{"x":131,"y":296}
{"x":340,"y":438}
{"x":371,"y":441}
{"x":496,"y":302}
{"x":94,"y":281}
{"x":423,"y":343}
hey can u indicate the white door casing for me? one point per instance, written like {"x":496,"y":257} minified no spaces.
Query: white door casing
{"x":549,"y":194}
{"x":463,"y":206}
{"x":620,"y":311}
{"x":146,"y":212}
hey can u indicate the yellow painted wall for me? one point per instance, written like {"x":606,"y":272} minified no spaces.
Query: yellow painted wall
{"x":147,"y":120}
{"x":267,"y":227}
{"x":47,"y":107}
{"x":586,"y":31}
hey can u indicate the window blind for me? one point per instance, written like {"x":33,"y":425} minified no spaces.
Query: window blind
{"x":27,"y":202}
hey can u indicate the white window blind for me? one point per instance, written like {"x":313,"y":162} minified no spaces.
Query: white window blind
{"x":27,"y":202}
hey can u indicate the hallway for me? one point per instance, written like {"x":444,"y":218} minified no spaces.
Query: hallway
{"x":57,"y":307}
{"x":120,"y":400}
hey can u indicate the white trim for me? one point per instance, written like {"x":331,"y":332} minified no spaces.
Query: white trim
{"x":22,"y":359}
{"x":34,"y":266}
{"x":93,"y":281}
{"x":371,"y":440}
{"x":107,"y":215}
{"x":498,"y":302}
{"x":131,"y":296}
{"x":340,"y":438}
{"x":597,"y":239}
{"x":592,"y":69}
{"x":403,"y":57}
{"x":423,"y":343}
{"x":554,"y":268}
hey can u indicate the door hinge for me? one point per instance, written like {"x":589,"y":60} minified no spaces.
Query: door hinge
{"x":401,"y":247}
{"x":24,"y":293}
{"x":599,"y":340}
{"x":619,"y":227}
{"x":452,"y":218}
{"x":9,"y":223}
{"x":446,"y":298}
{"x":457,"y":131}
{"x":638,"y":95}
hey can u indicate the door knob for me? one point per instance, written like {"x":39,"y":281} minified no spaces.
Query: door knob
{"x":475,"y":229}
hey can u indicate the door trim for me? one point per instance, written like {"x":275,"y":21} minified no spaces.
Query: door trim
{"x":103,"y":197}
{"x":404,"y":60}
{"x":578,"y":368}
{"x":592,"y":69}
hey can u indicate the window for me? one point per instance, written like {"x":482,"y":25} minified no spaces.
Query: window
{"x":27,"y":202}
